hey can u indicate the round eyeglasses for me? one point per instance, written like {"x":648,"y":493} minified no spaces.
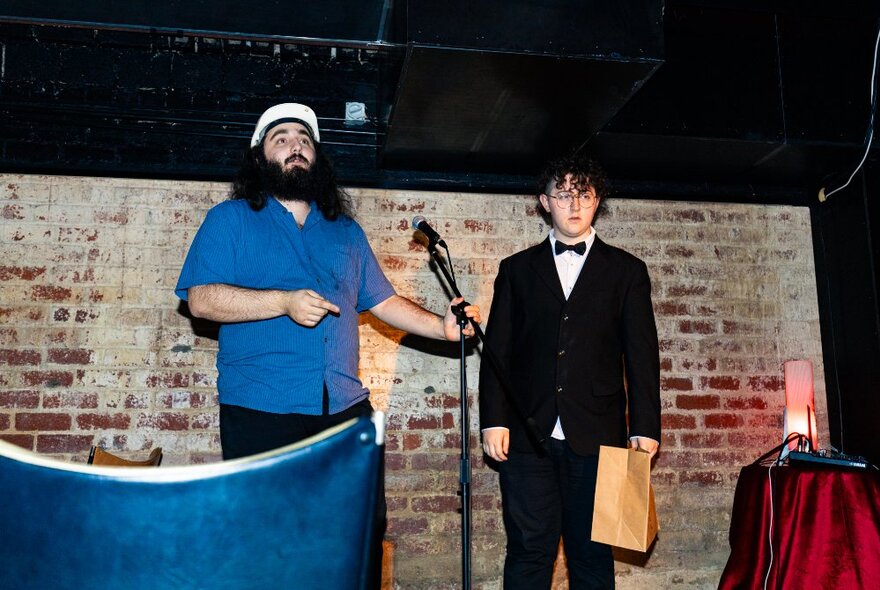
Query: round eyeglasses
{"x":566,"y":199}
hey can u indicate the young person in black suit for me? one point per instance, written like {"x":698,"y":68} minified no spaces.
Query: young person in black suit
{"x":568,"y":317}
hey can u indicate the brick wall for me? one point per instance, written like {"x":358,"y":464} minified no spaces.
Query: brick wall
{"x":94,"y":349}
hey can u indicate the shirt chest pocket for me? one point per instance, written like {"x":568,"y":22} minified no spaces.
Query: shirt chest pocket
{"x":340,"y":270}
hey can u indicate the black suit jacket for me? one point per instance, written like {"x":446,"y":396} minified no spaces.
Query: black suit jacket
{"x":567,"y":358}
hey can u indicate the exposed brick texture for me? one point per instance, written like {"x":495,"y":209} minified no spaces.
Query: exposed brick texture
{"x":94,"y":349}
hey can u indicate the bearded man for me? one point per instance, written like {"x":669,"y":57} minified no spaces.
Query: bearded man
{"x":285,"y":270}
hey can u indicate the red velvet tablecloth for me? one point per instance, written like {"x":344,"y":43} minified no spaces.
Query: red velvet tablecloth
{"x":825,"y":529}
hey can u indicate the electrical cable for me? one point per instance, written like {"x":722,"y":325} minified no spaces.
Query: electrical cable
{"x":869,"y":134}
{"x":770,"y":531}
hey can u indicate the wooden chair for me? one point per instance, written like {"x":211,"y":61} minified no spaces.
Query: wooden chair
{"x":99,"y":456}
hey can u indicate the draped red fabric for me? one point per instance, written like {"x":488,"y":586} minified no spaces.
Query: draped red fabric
{"x":825,"y":529}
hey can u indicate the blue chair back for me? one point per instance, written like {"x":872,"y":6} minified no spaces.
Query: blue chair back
{"x":298,"y":517}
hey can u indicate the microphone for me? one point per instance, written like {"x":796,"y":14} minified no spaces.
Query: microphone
{"x":420,"y":223}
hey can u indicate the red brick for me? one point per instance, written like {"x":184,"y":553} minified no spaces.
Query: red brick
{"x":702,"y":441}
{"x":746,"y":403}
{"x":423,"y":423}
{"x":686,"y":290}
{"x":723,"y":421}
{"x":169,"y":380}
{"x":669,"y":308}
{"x":691,"y":364}
{"x":679,"y":251}
{"x":729,"y":458}
{"x":25,"y":273}
{"x":478,"y":226}
{"x":448,"y":420}
{"x":764,"y":420}
{"x":437,"y":504}
{"x":69,"y":356}
{"x":412,"y":442}
{"x":484,"y":502}
{"x":678,"y":459}
{"x":392,"y":441}
{"x":25,"y":441}
{"x":64,"y":443}
{"x":703,"y":478}
{"x":734,"y":328}
{"x":754,"y":440}
{"x":442,"y":401}
{"x":394,"y":263}
{"x":49,"y":293}
{"x":5,"y":421}
{"x":678,"y":422}
{"x":669,"y":440}
{"x":697,"y":402}
{"x":48,"y":378}
{"x":687,"y":215}
{"x":164,"y":421}
{"x":696,"y":327}
{"x":663,"y":478}
{"x":665,"y":364}
{"x":397,"y":503}
{"x":70,"y":399}
{"x":19,"y":399}
{"x":207,"y":421}
{"x":19,"y":357}
{"x":395,"y":461}
{"x":720,"y":383}
{"x":673,"y":345}
{"x":407,"y":526}
{"x":203,"y":380}
{"x":434,"y":461}
{"x":767,"y":383}
{"x":676,"y":384}
{"x":103,"y":421}
{"x":42,"y":421}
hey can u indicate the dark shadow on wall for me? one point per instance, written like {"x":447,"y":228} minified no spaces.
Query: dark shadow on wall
{"x":201,"y":328}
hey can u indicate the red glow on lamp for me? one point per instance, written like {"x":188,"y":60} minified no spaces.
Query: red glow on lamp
{"x":800,"y":411}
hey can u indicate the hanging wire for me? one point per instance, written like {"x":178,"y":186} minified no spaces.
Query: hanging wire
{"x":869,"y":134}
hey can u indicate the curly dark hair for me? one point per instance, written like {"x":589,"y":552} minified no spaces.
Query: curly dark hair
{"x":585,"y":172}
{"x":258,"y":178}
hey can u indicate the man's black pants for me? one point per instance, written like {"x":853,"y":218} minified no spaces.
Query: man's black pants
{"x":543,"y":498}
{"x":245,"y":432}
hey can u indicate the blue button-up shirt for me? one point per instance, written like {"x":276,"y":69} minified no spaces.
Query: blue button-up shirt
{"x":277,"y":365}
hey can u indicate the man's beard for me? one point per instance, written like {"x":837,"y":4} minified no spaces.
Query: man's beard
{"x":296,"y":184}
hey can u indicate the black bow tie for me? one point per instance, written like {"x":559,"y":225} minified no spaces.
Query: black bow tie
{"x":580,"y":248}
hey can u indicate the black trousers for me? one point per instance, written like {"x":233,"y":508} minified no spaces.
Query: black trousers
{"x":245,"y":432}
{"x":545,"y":498}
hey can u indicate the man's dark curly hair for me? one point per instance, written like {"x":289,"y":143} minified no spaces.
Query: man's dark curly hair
{"x":250,"y":183}
{"x":585,"y":172}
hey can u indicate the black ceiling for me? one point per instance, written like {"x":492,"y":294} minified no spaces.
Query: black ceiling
{"x":726,"y":100}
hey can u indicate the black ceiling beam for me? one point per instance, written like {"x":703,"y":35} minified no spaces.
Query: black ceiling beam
{"x":337,"y":23}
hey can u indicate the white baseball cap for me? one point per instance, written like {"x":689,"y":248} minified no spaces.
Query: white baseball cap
{"x":288,"y":112}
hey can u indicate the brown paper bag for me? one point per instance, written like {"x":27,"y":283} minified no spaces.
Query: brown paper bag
{"x":624,"y":514}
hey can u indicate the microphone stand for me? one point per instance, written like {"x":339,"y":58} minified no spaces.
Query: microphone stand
{"x":464,"y":477}
{"x":465,"y":458}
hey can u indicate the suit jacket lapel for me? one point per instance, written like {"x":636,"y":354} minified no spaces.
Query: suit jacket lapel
{"x":544,"y":266}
